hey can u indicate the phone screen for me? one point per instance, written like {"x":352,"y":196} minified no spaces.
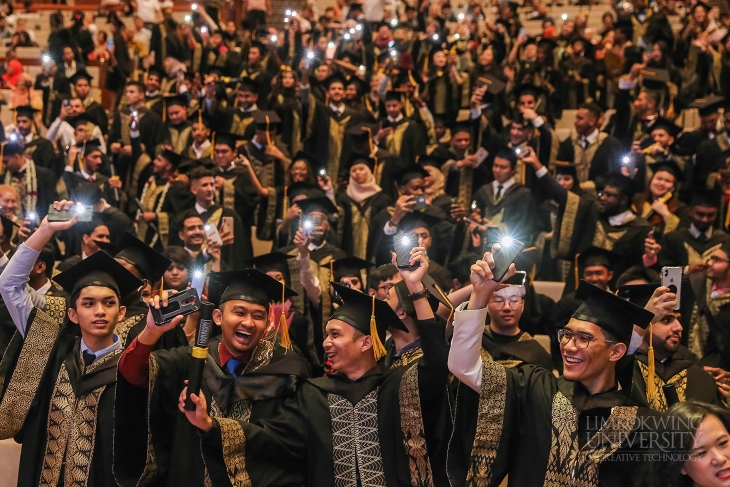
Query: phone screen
{"x":505,"y":256}
{"x":403,"y":245}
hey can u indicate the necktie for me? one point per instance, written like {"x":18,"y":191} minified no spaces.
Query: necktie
{"x":88,"y":357}
{"x":90,"y":179}
{"x":499,"y":191}
{"x":702,"y":237}
{"x":584,"y":142}
{"x":232,"y":365}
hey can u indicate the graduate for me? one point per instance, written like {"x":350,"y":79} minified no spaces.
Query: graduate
{"x":349,"y":272}
{"x":37,"y":148}
{"x":65,"y":372}
{"x":176,"y":118}
{"x":247,"y":97}
{"x":91,"y":159}
{"x":562,"y":415}
{"x":399,"y":134}
{"x":250,"y":370}
{"x":35,"y":185}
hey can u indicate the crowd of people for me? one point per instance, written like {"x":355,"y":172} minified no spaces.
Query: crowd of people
{"x":388,"y":157}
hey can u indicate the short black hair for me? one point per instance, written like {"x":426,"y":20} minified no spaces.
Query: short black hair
{"x":636,"y":273}
{"x":593,"y":108}
{"x":460,"y":268}
{"x":380,"y":274}
{"x":88,"y":228}
{"x":48,"y":257}
{"x":139,"y":85}
{"x":178,"y":255}
{"x":200,"y":173}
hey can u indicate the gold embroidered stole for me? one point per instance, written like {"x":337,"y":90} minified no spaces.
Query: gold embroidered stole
{"x":334,"y":145}
{"x":699,"y":329}
{"x":356,"y":442}
{"x":360,"y":229}
{"x":490,"y":420}
{"x":560,"y":247}
{"x":659,"y":401}
{"x":723,"y":144}
{"x":394,"y":141}
{"x":568,"y":463}
{"x":266,"y":172}
{"x":180,"y":138}
{"x":150,"y":203}
{"x":229,"y":194}
{"x":606,"y":240}
{"x":125,"y":119}
{"x":583,"y":158}
{"x":297,"y":302}
{"x":240,"y":124}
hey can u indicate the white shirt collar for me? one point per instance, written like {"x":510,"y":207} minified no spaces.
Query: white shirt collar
{"x":621,"y":218}
{"x":253,"y":108}
{"x":87,"y":175}
{"x":256,"y":144}
{"x":29,"y":137}
{"x":339,"y":109}
{"x":44,"y":288}
{"x":153,"y":94}
{"x":199,"y":150}
{"x":505,"y":185}
{"x":199,"y":208}
{"x":395,"y":120}
{"x":312,"y":247}
{"x":591,"y":138}
{"x":83,"y":255}
{"x":117,"y":345}
{"x":696,"y":233}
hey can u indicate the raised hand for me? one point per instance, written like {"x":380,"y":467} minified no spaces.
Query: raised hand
{"x":661,"y":303}
{"x":198,"y":418}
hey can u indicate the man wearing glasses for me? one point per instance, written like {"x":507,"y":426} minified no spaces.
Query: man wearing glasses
{"x":578,"y":426}
{"x":502,"y":338}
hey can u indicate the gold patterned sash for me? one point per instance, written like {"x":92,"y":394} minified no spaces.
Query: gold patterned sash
{"x":659,"y":401}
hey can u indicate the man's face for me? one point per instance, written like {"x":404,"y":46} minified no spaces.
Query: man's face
{"x":718,"y":266}
{"x":350,"y":92}
{"x":231,"y":28}
{"x":385,"y":287}
{"x":177,"y":114}
{"x":343,"y":349}
{"x":661,"y":183}
{"x":352,"y":282}
{"x":530,"y":51}
{"x":322,"y":72}
{"x":161,"y":165}
{"x":13,"y":163}
{"x":505,"y":309}
{"x":77,"y":106}
{"x":243,"y":325}
{"x":97,"y":311}
{"x":336,"y":92}
{"x":92,"y":162}
{"x":527,"y":101}
{"x":82,"y":88}
{"x":610,"y":201}
{"x":100,"y":234}
{"x":153,"y":83}
{"x":460,"y":141}
{"x":518,"y":134}
{"x":80,"y":133}
{"x":224,"y":155}
{"x":424,"y":236}
{"x":702,"y":216}
{"x":176,"y":276}
{"x":319,"y":226}
{"x":502,"y":170}
{"x":565,"y":181}
{"x":393,"y":108}
{"x":192,"y":233}
{"x":246,"y":99}
{"x":254,"y":56}
{"x":597,"y":275}
{"x":203,"y":189}
{"x":662,"y":138}
{"x":200,"y":133}
{"x":666,"y":335}
{"x":23,"y":125}
{"x":8,"y":203}
{"x":709,"y":122}
{"x":133,"y":94}
{"x":414,"y":187}
{"x":585,"y":123}
{"x":68,"y":55}
{"x":642,"y":104}
{"x":589,"y":364}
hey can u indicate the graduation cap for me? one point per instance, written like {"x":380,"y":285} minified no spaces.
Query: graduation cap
{"x":227,"y":138}
{"x":81,"y":119}
{"x":252,"y":285}
{"x":638,"y":294}
{"x":431,"y":160}
{"x":670,"y":166}
{"x":266,"y":121}
{"x":258,"y":44}
{"x":706,"y":197}
{"x":701,"y":4}
{"x":566,"y":168}
{"x":150,"y":263}
{"x":200,"y":117}
{"x":302,"y":188}
{"x":171,"y":157}
{"x":313,"y":161}
{"x":363,"y":131}
{"x":348,"y":267}
{"x":547,"y":44}
{"x":350,"y":57}
{"x":81,"y":74}
{"x":154,"y":71}
{"x":26,"y":111}
{"x":175,"y":100}
{"x":361,"y":86}
{"x":393,"y":95}
{"x":8,"y":226}
{"x":321,"y":204}
{"x":494,"y":85}
{"x":407,"y":76}
{"x":528,"y":89}
{"x":623,"y":183}
{"x":708,"y":105}
{"x":12,"y":147}
{"x":334,"y":78}
{"x":596,"y":256}
{"x":418,"y":219}
{"x":459,"y":126}
{"x":90,"y":146}
{"x":99,"y":269}
{"x":655,"y":78}
{"x":357,"y":158}
{"x":368,"y":315}
{"x":409,"y":173}
{"x":612,"y":313}
{"x":664,"y":123}
{"x":274,"y":261}
{"x":249,"y":84}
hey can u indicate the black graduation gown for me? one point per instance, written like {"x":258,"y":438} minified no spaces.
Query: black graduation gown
{"x":177,"y":199}
{"x":513,"y":213}
{"x":238,"y":198}
{"x":181,"y":136}
{"x":606,"y":157}
{"x":288,"y":105}
{"x":708,"y":335}
{"x":682,"y":370}
{"x":154,"y":103}
{"x":512,"y":351}
{"x":559,"y":416}
{"x":355,"y":224}
{"x":325,"y":140}
{"x":625,"y":241}
{"x":97,"y":114}
{"x":689,"y":142}
{"x":49,"y":364}
{"x":241,"y":123}
{"x":626,"y":126}
{"x":46,"y":181}
{"x":43,"y":154}
{"x":681,"y":248}
{"x":712,"y":156}
{"x":256,"y":394}
{"x":408,"y":140}
{"x":117,"y":222}
{"x":440,"y":274}
{"x":476,"y":177}
{"x":152,"y":131}
{"x":72,"y":180}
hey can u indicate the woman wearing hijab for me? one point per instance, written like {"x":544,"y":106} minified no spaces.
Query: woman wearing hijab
{"x":13,"y":71}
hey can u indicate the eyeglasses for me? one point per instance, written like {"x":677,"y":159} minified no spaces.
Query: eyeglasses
{"x":500,"y":302}
{"x":581,"y":340}
{"x":712,"y":259}
{"x":386,"y":288}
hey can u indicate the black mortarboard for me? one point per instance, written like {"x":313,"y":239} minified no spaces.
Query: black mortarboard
{"x":179,"y":100}
{"x":153,"y":71}
{"x":495,"y":85}
{"x":407,"y":76}
{"x":334,"y":78}
{"x":655,"y":78}
{"x":266,"y":120}
{"x":593,"y":256}
{"x":227,"y":138}
{"x":418,"y":219}
{"x":615,"y":315}
{"x":638,"y":294}
{"x":351,"y":57}
{"x":706,"y":197}
{"x":460,"y":126}
{"x":171,"y":157}
{"x":12,"y":147}
{"x":431,"y":160}
{"x":664,"y":123}
{"x":362,"y":86}
{"x":274,"y":261}
{"x":393,"y":95}
{"x":258,"y":44}
{"x":708,"y":105}
{"x":150,"y":263}
{"x":566,"y":168}
{"x":528,"y":89}
{"x":623,"y":183}
{"x":98,"y":269}
{"x":320,"y":203}
{"x":249,"y":84}
{"x":304,"y":156}
{"x":356,"y":158}
{"x":362,"y":130}
{"x":26,"y":111}
{"x":81,"y":119}
{"x":8,"y":226}
{"x":252,"y":285}
{"x":547,"y":44}
{"x":303,"y":187}
{"x":701,"y":4}
{"x":670,"y":166}
{"x":80,"y":74}
{"x":199,"y":116}
{"x":408,"y":173}
{"x":91,"y":146}
{"x":349,"y":267}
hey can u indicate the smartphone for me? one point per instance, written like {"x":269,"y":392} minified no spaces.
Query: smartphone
{"x":657,"y":232}
{"x":481,"y":154}
{"x":182,"y":303}
{"x":420,"y":203}
{"x":110,"y":44}
{"x":505,"y":256}
{"x":67,"y":102}
{"x":672,"y":278}
{"x":329,"y":54}
{"x":211,"y":233}
{"x":404,"y":243}
{"x":523,"y":32}
{"x":84,"y":213}
{"x":323,"y":173}
{"x":227,"y":221}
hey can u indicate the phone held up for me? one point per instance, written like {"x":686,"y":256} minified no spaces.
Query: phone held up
{"x":672,"y":278}
{"x":403,"y":244}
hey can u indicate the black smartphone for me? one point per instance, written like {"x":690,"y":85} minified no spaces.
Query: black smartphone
{"x":657,"y":232}
{"x":504,"y":256}
{"x":85,"y":212}
{"x":404,"y":243}
{"x":182,"y":303}
{"x":67,"y":103}
{"x":420,"y":203}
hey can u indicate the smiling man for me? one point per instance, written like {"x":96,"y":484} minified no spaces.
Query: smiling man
{"x":585,"y":415}
{"x":247,"y":376}
{"x":65,"y":372}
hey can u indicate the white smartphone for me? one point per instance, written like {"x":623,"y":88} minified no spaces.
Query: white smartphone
{"x":672,"y":278}
{"x":211,"y":233}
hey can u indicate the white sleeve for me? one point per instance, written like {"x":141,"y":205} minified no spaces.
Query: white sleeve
{"x":310,"y":282}
{"x":53,"y":131}
{"x":465,"y":360}
{"x":389,"y":229}
{"x":635,"y":343}
{"x":626,"y":84}
{"x":541,"y":172}
{"x":538,"y":122}
{"x":14,"y":286}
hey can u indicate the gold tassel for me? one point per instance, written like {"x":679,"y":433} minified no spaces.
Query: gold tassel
{"x":212,"y":141}
{"x":283,"y":327}
{"x":378,"y":348}
{"x":268,"y":134}
{"x":2,"y":149}
{"x":162,"y":285}
{"x":284,"y":203}
{"x":577,"y":256}
{"x":200,"y":118}
{"x":727,"y":216}
{"x":164,"y":109}
{"x":650,"y":386}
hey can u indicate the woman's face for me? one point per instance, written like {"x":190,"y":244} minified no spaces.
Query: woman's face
{"x":287,"y":80}
{"x":487,"y":57}
{"x":699,"y":14}
{"x":709,"y":463}
{"x":656,"y":53}
{"x":432,"y":176}
{"x":299,"y":172}
{"x":439,"y":59}
{"x":661,"y":183}
{"x":360,"y":173}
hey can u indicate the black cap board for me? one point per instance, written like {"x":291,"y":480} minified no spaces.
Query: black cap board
{"x":303,"y":188}
{"x":708,"y":105}
{"x":98,"y":269}
{"x":80,"y":74}
{"x":334,"y":78}
{"x":356,"y":158}
{"x":349,"y":267}
{"x":706,"y":197}
{"x":150,"y":263}
{"x":274,"y":261}
{"x":91,"y":146}
{"x":409,"y":173}
{"x":172,"y":157}
{"x":8,"y":226}
{"x":320,"y":203}
{"x":26,"y":111}
{"x":266,"y":120}
{"x":669,"y":165}
{"x":227,"y":138}
{"x":638,"y":294}
{"x":252,"y":285}
{"x":418,"y":219}
{"x":664,"y":123}
{"x":595,"y":256}
{"x":357,"y":309}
